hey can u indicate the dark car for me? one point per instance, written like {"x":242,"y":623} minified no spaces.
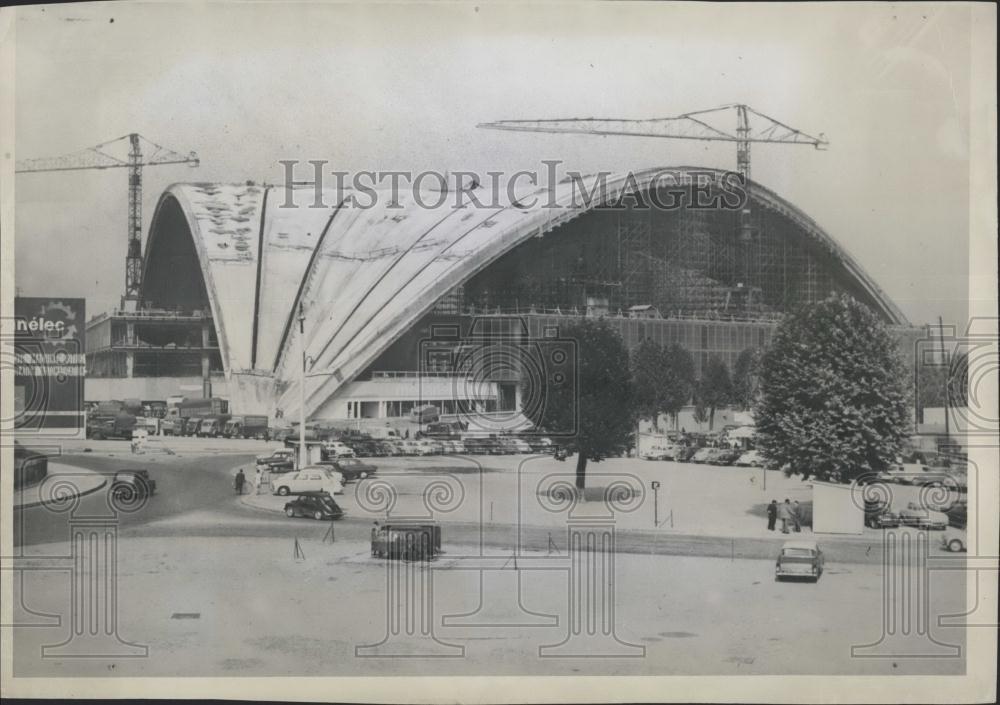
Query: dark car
{"x":366,"y":448}
{"x":281,"y":460}
{"x":130,"y":485}
{"x":351,"y":468}
{"x":408,"y":542}
{"x":685,"y":453}
{"x":317,"y":506}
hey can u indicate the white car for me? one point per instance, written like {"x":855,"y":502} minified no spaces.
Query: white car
{"x":338,"y":449}
{"x":954,"y":540}
{"x":750,"y":459}
{"x":313,"y":478}
{"x":427,"y":448}
{"x":411,"y":448}
{"x":522,"y":445}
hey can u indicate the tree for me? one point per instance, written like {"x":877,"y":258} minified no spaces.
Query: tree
{"x":596,"y":415}
{"x":663,"y":379}
{"x":834,"y":393}
{"x":716,"y":388}
{"x":745,"y":378}
{"x":651,"y":378}
{"x":682,"y":378}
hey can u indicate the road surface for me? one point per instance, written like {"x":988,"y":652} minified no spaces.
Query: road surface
{"x":212,"y":587}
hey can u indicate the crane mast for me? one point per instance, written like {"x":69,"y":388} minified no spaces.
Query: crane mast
{"x":101,"y":157}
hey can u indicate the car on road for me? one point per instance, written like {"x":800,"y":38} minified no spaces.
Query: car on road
{"x":922,"y":517}
{"x":130,"y":485}
{"x":799,"y":559}
{"x":311,"y":479}
{"x":317,"y":506}
{"x":281,"y":460}
{"x":351,"y":468}
{"x":955,"y":540}
{"x":750,"y":459}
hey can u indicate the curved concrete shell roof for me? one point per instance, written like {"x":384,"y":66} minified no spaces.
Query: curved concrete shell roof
{"x":362,"y":275}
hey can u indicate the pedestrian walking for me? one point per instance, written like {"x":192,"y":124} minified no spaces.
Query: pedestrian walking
{"x":239,"y":481}
{"x":796,"y":516}
{"x":772,"y":514}
{"x":257,"y":481}
{"x":785,"y":515}
{"x":376,"y":528}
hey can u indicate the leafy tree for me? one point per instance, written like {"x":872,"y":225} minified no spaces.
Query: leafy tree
{"x":716,"y":387}
{"x":745,"y":378}
{"x":596,"y":415}
{"x":834,"y":401}
{"x":651,"y":376}
{"x":663,"y":379}
{"x":682,"y":378}
{"x":943,"y":384}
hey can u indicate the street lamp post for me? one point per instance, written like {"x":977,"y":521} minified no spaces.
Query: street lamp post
{"x":303,"y":460}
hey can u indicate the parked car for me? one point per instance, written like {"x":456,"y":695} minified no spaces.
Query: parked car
{"x":411,"y":447}
{"x":351,"y":468}
{"x":750,"y":459}
{"x":428,"y":447}
{"x":318,"y":506}
{"x":337,"y":449}
{"x":130,"y":485}
{"x":655,"y":453}
{"x":311,"y":479}
{"x":389,"y":448}
{"x":879,"y":516}
{"x":922,"y":517}
{"x":363,"y":447}
{"x":955,"y":540}
{"x":686,"y":453}
{"x":541,"y":445}
{"x":702,"y":455}
{"x":727,"y":456}
{"x":281,"y":460}
{"x":409,"y":542}
{"x":799,"y":559}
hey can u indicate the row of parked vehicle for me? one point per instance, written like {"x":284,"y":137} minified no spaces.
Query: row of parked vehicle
{"x":353,"y":447}
{"x":706,"y":455}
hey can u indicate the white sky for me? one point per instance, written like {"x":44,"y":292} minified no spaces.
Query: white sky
{"x":402,"y":86}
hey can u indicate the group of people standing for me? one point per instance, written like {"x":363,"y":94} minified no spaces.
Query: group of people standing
{"x":261,"y":481}
{"x":788,"y":513}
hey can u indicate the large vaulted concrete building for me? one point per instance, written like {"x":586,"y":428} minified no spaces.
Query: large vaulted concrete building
{"x":377,"y":285}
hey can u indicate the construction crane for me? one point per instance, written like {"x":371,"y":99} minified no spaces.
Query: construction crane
{"x":750,"y":126}
{"x":141,"y":152}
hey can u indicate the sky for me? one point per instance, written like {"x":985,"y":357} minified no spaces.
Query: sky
{"x":402,"y":86}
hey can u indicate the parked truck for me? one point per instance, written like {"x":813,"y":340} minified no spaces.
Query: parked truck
{"x":247,"y":427}
{"x":213,"y":426}
{"x":120,"y":425}
{"x":184,"y":417}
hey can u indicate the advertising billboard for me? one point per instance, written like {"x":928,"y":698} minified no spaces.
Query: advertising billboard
{"x":50,"y":366}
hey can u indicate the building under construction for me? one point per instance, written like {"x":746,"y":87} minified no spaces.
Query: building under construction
{"x":236,"y":266}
